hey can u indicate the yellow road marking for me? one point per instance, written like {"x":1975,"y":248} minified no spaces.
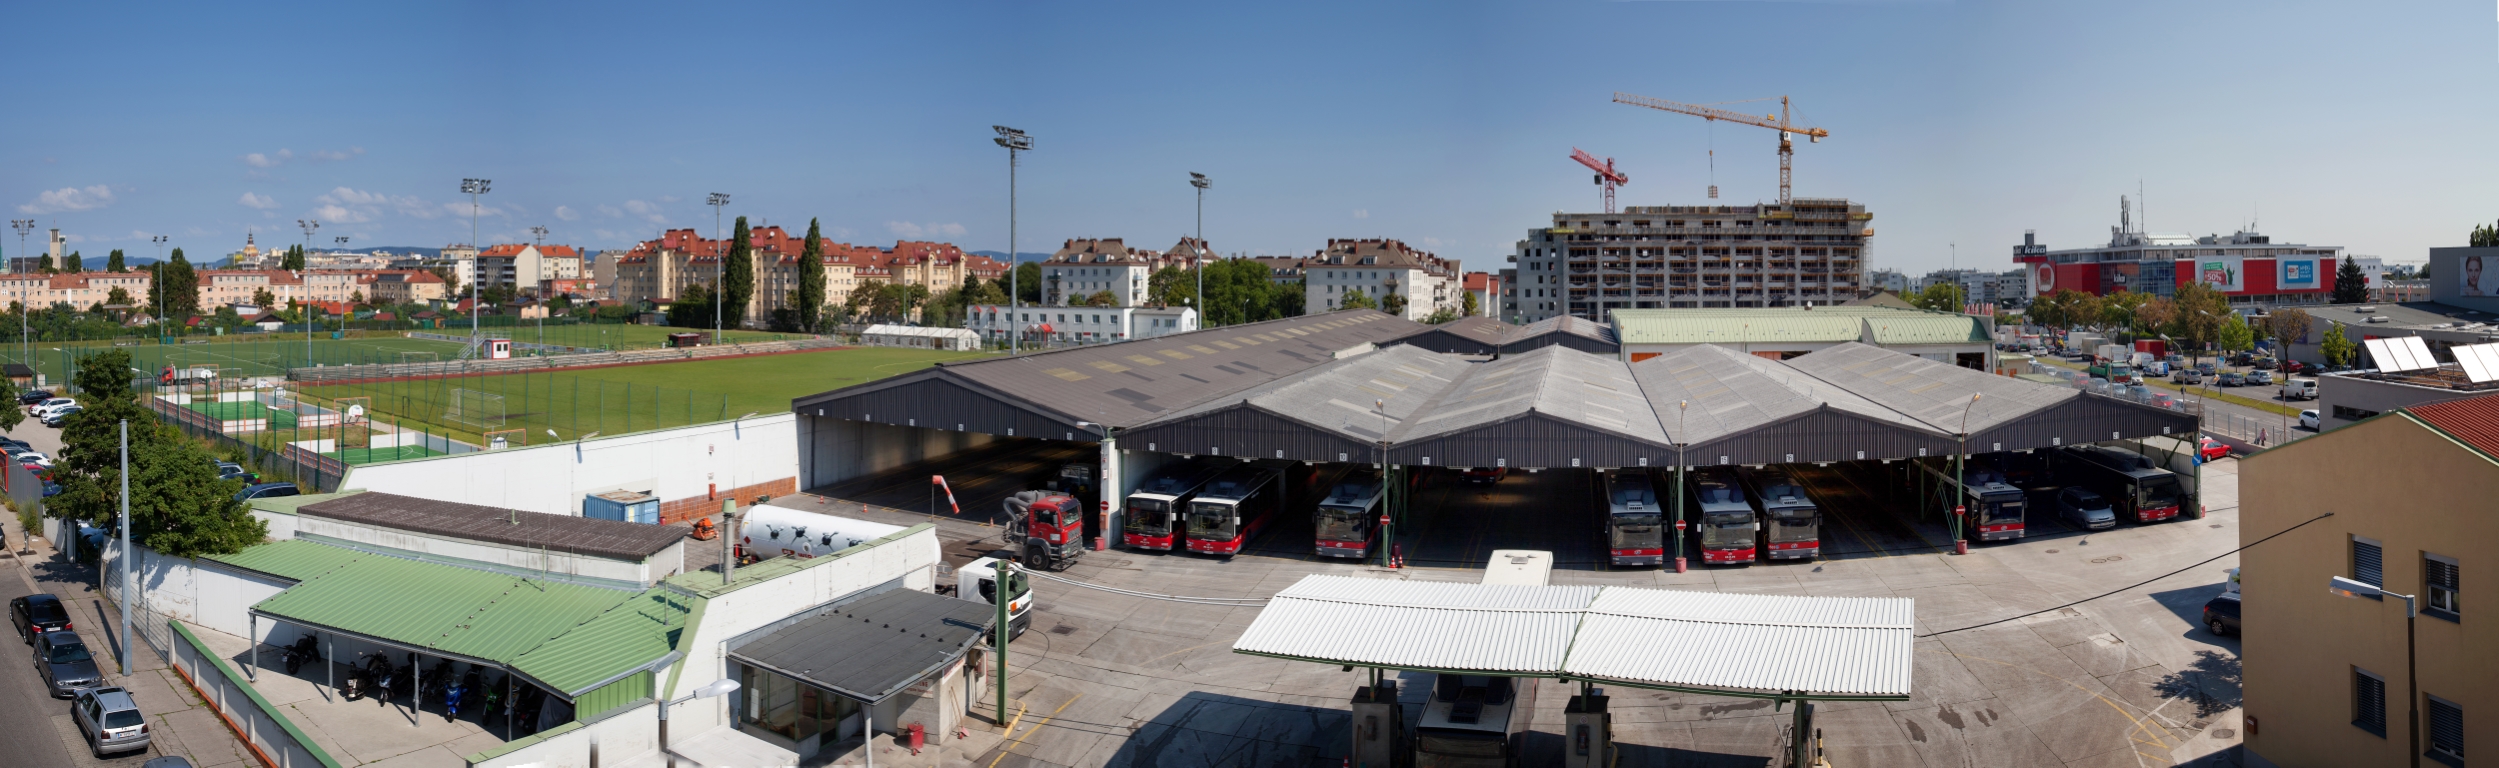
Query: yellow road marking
{"x":1019,"y":740}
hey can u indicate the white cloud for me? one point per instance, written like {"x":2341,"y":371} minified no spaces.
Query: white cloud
{"x":1361,"y":213}
{"x":610,"y":211}
{"x":843,"y":233}
{"x":353,"y":205}
{"x":646,"y":211}
{"x":908,"y":230}
{"x":258,"y":160}
{"x":343,"y":214}
{"x":567,"y":213}
{"x":332,"y":155}
{"x":260,"y":201}
{"x":70,"y":199}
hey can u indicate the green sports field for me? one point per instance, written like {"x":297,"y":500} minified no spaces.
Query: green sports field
{"x":373,"y":455}
{"x":613,"y":401}
{"x":246,"y":410}
{"x":239,"y":359}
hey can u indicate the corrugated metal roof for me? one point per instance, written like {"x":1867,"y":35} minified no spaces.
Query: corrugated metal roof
{"x":1565,"y":383}
{"x":872,"y":649}
{"x":1419,"y":624}
{"x":630,"y":634}
{"x":1735,"y":326}
{"x":472,"y":613}
{"x":1564,"y":324}
{"x":882,"y":329}
{"x":1344,"y":397}
{"x":1136,"y":381}
{"x":1934,"y":393}
{"x":1832,"y":645}
{"x":1928,"y":329}
{"x":290,"y":559}
{"x":562,"y":533}
{"x":1737,"y":642}
{"x":287,"y":505}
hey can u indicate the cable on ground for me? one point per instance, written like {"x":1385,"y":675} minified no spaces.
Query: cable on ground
{"x":2198,"y":564}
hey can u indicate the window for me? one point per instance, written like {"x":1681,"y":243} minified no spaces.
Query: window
{"x":2348,"y":413}
{"x":2446,"y":731}
{"x":2438,"y":586}
{"x":2368,"y":562}
{"x":2368,"y":701}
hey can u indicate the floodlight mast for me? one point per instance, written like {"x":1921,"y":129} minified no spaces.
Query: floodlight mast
{"x":309,"y":225}
{"x":1200,"y":181}
{"x":720,"y":260}
{"x":473,"y":188}
{"x":1015,"y":141}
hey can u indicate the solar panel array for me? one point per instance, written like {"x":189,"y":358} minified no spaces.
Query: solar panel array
{"x":2401,"y":353}
{"x":2480,"y":361}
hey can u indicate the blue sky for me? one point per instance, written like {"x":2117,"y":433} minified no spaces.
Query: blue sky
{"x":1447,"y":125}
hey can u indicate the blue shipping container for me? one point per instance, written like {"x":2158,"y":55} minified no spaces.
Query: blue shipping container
{"x":628,"y":506}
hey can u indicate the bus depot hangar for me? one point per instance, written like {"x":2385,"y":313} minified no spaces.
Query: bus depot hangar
{"x":1363,"y":437}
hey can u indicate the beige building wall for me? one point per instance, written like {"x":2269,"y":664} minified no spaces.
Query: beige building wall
{"x":2399,"y":481}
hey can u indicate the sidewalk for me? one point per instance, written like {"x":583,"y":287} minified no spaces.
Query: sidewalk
{"x":182,"y":725}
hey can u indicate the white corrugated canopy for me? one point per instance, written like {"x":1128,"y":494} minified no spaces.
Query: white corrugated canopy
{"x":1833,"y":646}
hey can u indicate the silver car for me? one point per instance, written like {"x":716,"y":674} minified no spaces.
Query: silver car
{"x":109,"y":720}
{"x":2085,"y":509}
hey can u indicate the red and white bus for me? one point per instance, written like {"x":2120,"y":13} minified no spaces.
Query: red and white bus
{"x":1153,"y":515}
{"x":1235,"y":506}
{"x":1728,"y":527}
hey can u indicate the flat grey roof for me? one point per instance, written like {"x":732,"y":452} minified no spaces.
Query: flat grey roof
{"x":871,"y":649}
{"x":614,"y":539}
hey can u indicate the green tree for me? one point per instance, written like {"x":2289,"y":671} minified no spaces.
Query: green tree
{"x":2235,"y":336}
{"x":2336,"y":346}
{"x":2290,"y":326}
{"x":2202,"y":310}
{"x":1355,"y":299}
{"x":2351,"y":286}
{"x":2485,"y":236}
{"x":74,"y":264}
{"x":737,"y":280}
{"x":1942,"y":296}
{"x":118,"y":296}
{"x":1441,"y":315}
{"x":1393,"y":303}
{"x":1102,"y":299}
{"x":262,"y":298}
{"x":178,"y":506}
{"x":113,"y":262}
{"x":293,"y":261}
{"x":181,"y":292}
{"x":693,"y":307}
{"x":9,"y":417}
{"x":811,"y":282}
{"x":44,"y":265}
{"x":863,"y":298}
{"x":1027,"y":282}
{"x":1469,"y":305}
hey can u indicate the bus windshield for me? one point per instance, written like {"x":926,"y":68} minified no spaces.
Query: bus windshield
{"x":2159,"y":492}
{"x":1793,"y":525}
{"x":1727,"y":531}
{"x":1344,"y":523}
{"x":2000,"y":511}
{"x":1639,"y":531}
{"x":1212,"y":521}
{"x":1148,"y":517}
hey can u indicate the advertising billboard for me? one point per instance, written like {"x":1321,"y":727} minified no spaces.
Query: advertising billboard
{"x":2223,"y":273}
{"x":2297,"y":274}
{"x":2471,"y":280}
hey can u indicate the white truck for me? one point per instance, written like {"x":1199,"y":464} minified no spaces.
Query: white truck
{"x":977,"y":581}
{"x":2114,"y":353}
{"x":2299,"y":389}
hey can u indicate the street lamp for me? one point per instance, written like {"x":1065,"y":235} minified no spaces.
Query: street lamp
{"x":473,"y":188}
{"x":1681,"y":407}
{"x":24,"y":227}
{"x":2412,"y":683}
{"x":720,"y":260}
{"x":1960,"y":498}
{"x":1015,"y":141}
{"x":1200,"y":181}
{"x":309,"y":225}
{"x":716,"y":688}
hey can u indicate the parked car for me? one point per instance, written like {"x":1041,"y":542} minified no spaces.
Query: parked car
{"x":266,"y":491}
{"x":2309,"y":419}
{"x":34,"y":397}
{"x":60,"y":416}
{"x":110,"y":721}
{"x":2212,"y":449}
{"x":66,"y":666}
{"x":31,"y":457}
{"x":2231,"y":379}
{"x":2293,"y":366}
{"x":2206,"y":368}
{"x":2261,"y":364}
{"x":227,"y":470}
{"x":2299,"y":389}
{"x":47,"y":405}
{"x":2085,"y":509}
{"x":2260,"y":378}
{"x":2186,"y":377}
{"x":1486,"y":474}
{"x":37,"y":614}
{"x":2221,"y":615}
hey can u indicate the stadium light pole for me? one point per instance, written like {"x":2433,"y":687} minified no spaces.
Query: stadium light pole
{"x":26,"y":227}
{"x":125,"y":548}
{"x":1200,"y":181}
{"x":156,"y":285}
{"x":473,"y":188}
{"x":1960,"y":463}
{"x":309,"y":226}
{"x":1016,"y":142}
{"x":720,"y":261}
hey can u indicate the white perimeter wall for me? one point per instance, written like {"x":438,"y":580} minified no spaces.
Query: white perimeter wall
{"x":672,"y":464}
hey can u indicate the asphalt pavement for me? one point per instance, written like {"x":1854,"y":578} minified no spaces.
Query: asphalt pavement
{"x":24,"y":709}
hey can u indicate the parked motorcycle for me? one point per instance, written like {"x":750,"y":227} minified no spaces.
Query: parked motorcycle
{"x":493,"y":697}
{"x":305,"y":649}
{"x":385,"y":676}
{"x":458,"y":691}
{"x":359,"y":682}
{"x":437,"y":680}
{"x":530,"y":700}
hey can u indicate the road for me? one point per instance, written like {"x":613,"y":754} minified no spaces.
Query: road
{"x":24,"y":709}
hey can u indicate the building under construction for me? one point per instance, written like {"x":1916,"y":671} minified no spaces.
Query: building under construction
{"x":1805,"y":251}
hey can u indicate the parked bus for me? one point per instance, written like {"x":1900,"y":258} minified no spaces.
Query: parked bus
{"x":1236,"y":506}
{"x":1994,"y":506}
{"x":1635,"y":524}
{"x":2135,"y":485}
{"x":1154,"y":509}
{"x":1349,"y":518}
{"x":1792,"y":523}
{"x":1727,"y":524}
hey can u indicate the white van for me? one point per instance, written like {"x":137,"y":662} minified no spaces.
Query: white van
{"x":2299,"y":389}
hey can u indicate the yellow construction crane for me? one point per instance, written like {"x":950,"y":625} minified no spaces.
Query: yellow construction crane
{"x":1778,"y":122}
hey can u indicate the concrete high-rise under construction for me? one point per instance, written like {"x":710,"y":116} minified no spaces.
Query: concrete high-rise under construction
{"x":1808,"y":251}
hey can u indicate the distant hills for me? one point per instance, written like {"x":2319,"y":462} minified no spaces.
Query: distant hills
{"x":1002,"y":255}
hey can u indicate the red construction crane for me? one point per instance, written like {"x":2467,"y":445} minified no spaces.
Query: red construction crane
{"x":1778,"y":122}
{"x":1607,"y":177}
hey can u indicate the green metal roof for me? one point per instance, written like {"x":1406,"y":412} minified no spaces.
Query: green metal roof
{"x":471,"y":613}
{"x":1928,"y":329}
{"x":291,"y":559}
{"x":706,"y":584}
{"x":627,"y":636}
{"x":287,"y":505}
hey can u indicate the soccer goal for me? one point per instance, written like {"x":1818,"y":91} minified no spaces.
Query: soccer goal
{"x":355,"y":418}
{"x":475,"y":408}
{"x":506,"y":438}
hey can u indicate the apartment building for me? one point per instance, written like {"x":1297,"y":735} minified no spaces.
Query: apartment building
{"x":526,"y":265}
{"x":1808,"y":251}
{"x":1282,"y":270}
{"x":661,"y":269}
{"x":405,"y":286}
{"x":2330,"y":680}
{"x":1083,"y":267}
{"x":78,"y":289}
{"x":1487,"y":290}
{"x":1078,"y":325}
{"x":1380,"y":268}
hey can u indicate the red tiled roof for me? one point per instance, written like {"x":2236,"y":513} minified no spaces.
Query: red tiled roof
{"x":1477,"y":281}
{"x":2474,"y":420}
